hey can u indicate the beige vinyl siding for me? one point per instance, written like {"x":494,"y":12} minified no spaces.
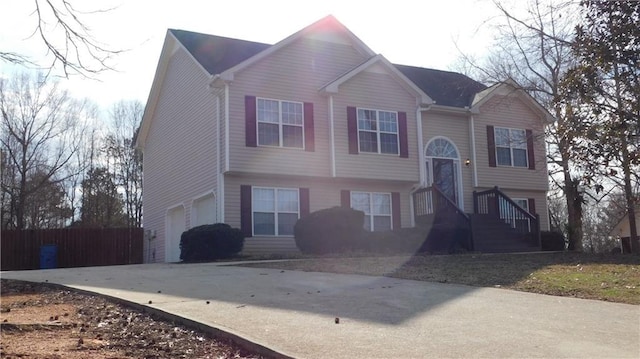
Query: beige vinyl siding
{"x":323,"y":193}
{"x":377,"y":91}
{"x":180,"y":148}
{"x":541,"y":202}
{"x":294,"y":73}
{"x":455,"y":128}
{"x":510,"y":112}
{"x":623,"y":228}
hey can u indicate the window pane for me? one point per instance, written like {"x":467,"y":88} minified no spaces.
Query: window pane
{"x":360,"y":201}
{"x":368,"y":141}
{"x":381,"y":223}
{"x":288,"y":200}
{"x":264,"y":223}
{"x":388,"y":143}
{"x":286,"y":221}
{"x":523,"y":203}
{"x":502,"y":137}
{"x":367,"y":120}
{"x":292,"y":136}
{"x":503,"y":156}
{"x":268,"y":111}
{"x":381,"y":203}
{"x":367,"y":223}
{"x":268,"y":134}
{"x":291,"y":113}
{"x":388,"y":121}
{"x":520,"y":158}
{"x":518,"y":139}
{"x":263,"y":200}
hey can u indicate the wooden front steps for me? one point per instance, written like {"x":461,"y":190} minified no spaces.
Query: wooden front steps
{"x":493,"y":235}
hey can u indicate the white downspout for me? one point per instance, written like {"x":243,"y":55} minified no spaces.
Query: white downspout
{"x":220,"y":197}
{"x":332,"y":138}
{"x":473,"y":151}
{"x":421,"y":158}
{"x":226,"y":126}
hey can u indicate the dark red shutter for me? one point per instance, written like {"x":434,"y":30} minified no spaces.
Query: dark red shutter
{"x":395,"y":210}
{"x":309,"y":139}
{"x":250,"y":121}
{"x":532,"y":157}
{"x":246,"y":224}
{"x":403,"y":134}
{"x":304,"y":202}
{"x":532,"y":205}
{"x":345,"y":198}
{"x":352,"y":128}
{"x":491,"y":146}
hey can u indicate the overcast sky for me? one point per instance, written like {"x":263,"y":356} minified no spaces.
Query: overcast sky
{"x":411,"y":32}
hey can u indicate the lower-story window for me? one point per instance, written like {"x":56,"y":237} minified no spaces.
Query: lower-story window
{"x":275,"y":210}
{"x":376,"y":208}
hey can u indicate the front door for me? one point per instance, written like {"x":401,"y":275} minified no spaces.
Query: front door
{"x":444,"y":177}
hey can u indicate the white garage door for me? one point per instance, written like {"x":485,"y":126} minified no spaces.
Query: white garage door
{"x":203,"y":211}
{"x":175,"y":227}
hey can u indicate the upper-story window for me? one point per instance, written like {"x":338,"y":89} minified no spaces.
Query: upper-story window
{"x":511,"y":147}
{"x":378,"y":131}
{"x":280,"y":123}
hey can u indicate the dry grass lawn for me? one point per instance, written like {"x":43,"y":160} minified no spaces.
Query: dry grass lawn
{"x":614,"y":278}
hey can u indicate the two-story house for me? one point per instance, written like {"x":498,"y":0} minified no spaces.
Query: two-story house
{"x":257,"y":135}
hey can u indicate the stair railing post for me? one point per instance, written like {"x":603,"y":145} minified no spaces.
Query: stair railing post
{"x":538,"y":233}
{"x":475,"y":201}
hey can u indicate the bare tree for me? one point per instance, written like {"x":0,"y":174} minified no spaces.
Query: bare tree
{"x":80,"y":164}
{"x":63,"y":31}
{"x":534,"y":49}
{"x":41,"y":129}
{"x":126,"y":160}
{"x":48,"y":207}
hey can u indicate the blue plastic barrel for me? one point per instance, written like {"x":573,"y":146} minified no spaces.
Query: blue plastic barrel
{"x":49,"y":256}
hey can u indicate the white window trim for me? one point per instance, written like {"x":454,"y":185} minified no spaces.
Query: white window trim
{"x":280,"y":124}
{"x":525,"y":200}
{"x":378,"y":131}
{"x":275,"y":212}
{"x":371,"y":214}
{"x":526,"y":147}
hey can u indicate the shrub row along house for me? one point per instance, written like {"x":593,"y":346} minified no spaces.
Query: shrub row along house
{"x":257,"y":136}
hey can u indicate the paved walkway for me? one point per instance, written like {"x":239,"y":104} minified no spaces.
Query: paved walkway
{"x":293,"y":313}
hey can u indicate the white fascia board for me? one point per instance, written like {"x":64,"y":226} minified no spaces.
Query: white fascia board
{"x":506,"y":88}
{"x":154,"y":94}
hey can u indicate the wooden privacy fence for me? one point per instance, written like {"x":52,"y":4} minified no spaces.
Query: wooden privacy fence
{"x":75,"y":247}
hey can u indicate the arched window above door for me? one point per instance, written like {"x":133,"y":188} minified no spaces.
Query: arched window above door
{"x":441,"y":148}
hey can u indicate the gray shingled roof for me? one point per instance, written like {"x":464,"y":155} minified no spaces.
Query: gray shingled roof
{"x":217,"y":54}
{"x":444,"y":87}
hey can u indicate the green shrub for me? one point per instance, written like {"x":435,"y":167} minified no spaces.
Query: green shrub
{"x":209,"y":242}
{"x":552,"y":241}
{"x":330,"y":230}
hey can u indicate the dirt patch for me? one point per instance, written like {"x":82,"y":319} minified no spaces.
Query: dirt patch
{"x":38,"y":320}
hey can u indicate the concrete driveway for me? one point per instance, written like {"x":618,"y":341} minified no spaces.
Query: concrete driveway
{"x":294,"y":313}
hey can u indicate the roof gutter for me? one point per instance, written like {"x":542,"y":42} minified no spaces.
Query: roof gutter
{"x":449,"y":109}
